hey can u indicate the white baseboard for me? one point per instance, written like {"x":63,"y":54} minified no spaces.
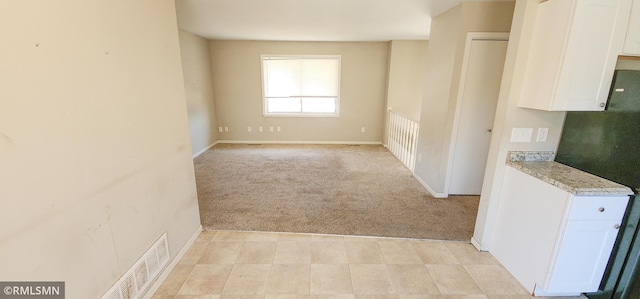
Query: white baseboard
{"x":426,"y":186}
{"x":204,"y":150}
{"x":298,"y":142}
{"x":538,"y":291}
{"x":176,"y":259}
{"x":477,"y":245}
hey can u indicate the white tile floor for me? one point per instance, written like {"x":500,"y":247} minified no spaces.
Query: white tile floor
{"x":244,"y":265}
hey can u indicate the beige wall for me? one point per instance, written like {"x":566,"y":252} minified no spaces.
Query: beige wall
{"x":196,"y":68}
{"x":509,"y":116}
{"x":407,"y":68}
{"x":441,"y":56}
{"x":238,"y":92}
{"x":94,"y":144}
{"x":444,"y":68}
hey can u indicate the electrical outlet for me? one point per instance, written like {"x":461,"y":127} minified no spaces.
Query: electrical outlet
{"x":271,"y":129}
{"x":260,"y":129}
{"x":542,"y":134}
{"x":220,"y":129}
{"x":248,"y":129}
{"x":278,"y":128}
{"x":226,"y":129}
{"x":521,"y":134}
{"x":362,"y":130}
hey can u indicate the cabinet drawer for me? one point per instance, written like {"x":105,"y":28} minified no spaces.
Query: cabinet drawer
{"x":598,"y":208}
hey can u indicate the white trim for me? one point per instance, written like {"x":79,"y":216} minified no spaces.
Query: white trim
{"x":301,"y":114}
{"x":336,"y":57}
{"x":298,"y":142}
{"x":402,"y":137}
{"x":477,"y":245}
{"x":167,"y":270}
{"x":426,"y":186}
{"x":403,"y":115}
{"x":471,"y":36}
{"x":538,"y":291}
{"x":204,"y":150}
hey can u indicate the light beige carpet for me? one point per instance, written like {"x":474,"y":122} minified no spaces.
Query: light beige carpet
{"x":327,"y":189}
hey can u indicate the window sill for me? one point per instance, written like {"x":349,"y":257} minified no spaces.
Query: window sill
{"x":305,"y":115}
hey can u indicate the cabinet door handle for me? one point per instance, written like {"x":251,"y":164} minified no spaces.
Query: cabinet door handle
{"x":601,"y":209}
{"x":617,"y":226}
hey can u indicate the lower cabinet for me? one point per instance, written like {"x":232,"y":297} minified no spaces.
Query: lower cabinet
{"x":582,"y":256}
{"x":554,"y":242}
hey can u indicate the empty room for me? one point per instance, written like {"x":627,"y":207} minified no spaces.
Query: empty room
{"x":295,"y":126}
{"x":319,"y":149}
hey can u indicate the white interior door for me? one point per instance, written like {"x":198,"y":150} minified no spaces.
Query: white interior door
{"x":481,"y":86}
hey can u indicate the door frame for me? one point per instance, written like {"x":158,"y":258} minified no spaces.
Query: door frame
{"x":471,"y":36}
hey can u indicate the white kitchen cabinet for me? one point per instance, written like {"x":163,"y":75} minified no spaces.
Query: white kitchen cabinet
{"x":632,"y":39}
{"x":573,"y":53}
{"x":582,"y":241}
{"x":554,"y":242}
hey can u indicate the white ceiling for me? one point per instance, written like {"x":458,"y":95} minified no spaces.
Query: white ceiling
{"x":311,"y":20}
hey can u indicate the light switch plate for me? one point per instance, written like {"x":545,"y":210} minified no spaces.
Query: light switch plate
{"x":542,"y":134}
{"x":521,"y":134}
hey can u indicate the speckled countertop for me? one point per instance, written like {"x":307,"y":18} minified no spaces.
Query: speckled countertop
{"x":542,"y":166}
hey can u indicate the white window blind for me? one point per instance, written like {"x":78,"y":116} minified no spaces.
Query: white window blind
{"x":301,"y":85}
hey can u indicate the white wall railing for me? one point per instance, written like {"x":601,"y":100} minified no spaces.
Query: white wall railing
{"x":403,"y":138}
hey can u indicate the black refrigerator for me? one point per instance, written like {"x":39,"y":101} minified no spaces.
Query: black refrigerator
{"x":607,"y":144}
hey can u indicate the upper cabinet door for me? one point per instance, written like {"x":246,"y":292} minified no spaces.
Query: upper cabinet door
{"x":573,"y":53}
{"x":632,"y":40}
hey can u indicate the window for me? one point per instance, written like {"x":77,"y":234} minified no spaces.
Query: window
{"x":301,"y":85}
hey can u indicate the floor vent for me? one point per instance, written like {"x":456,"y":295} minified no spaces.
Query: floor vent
{"x":135,"y":282}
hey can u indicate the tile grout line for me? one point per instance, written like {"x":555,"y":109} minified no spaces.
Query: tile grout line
{"x":395,"y":258}
{"x":230,"y":271}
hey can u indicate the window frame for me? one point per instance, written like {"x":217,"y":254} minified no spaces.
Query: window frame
{"x":302,"y":114}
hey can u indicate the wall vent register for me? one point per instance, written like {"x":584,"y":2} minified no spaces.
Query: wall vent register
{"x":135,"y":282}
